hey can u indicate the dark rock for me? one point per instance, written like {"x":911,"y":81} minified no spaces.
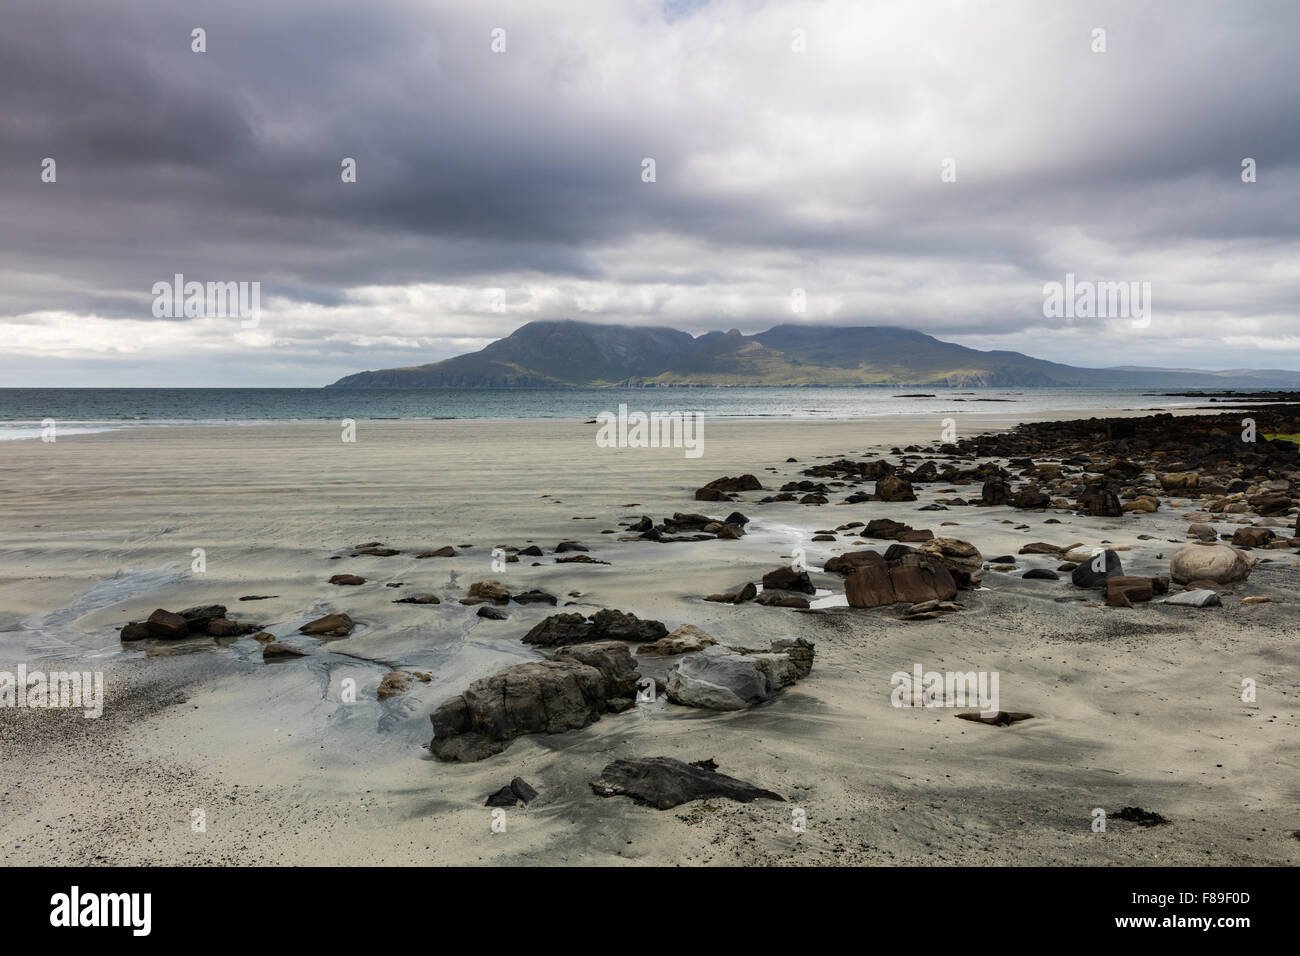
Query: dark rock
{"x":1093,"y":572}
{"x":786,"y":578}
{"x":549,"y":697}
{"x":492,"y":613}
{"x":418,"y":599}
{"x":664,"y":783}
{"x":164,"y":624}
{"x":331,"y":625}
{"x":347,"y":579}
{"x":1041,"y":574}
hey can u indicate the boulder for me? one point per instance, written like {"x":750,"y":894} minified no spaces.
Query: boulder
{"x":488,"y":589}
{"x":894,"y":488}
{"x":664,"y":783}
{"x":1220,"y":563}
{"x":347,"y":579}
{"x":1270,"y":505}
{"x":165,"y":624}
{"x":530,"y":698}
{"x":1093,"y":571}
{"x":1252,"y":537}
{"x":995,"y":492}
{"x":786,"y":578}
{"x":1202,"y":532}
{"x":912,"y":578}
{"x":1100,"y":503}
{"x":1031,"y":497}
{"x":561,"y":630}
{"x":954,"y":554}
{"x":722,"y":678}
{"x":686,"y":638}
{"x":198,"y":617}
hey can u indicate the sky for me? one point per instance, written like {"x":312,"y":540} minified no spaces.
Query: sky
{"x":924,"y":164}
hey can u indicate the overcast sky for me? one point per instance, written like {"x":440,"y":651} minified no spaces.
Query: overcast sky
{"x":522,"y":170}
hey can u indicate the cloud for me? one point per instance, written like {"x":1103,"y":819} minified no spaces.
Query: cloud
{"x":522,"y":171}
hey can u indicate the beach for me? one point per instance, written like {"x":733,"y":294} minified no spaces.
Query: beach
{"x":1132,"y":707}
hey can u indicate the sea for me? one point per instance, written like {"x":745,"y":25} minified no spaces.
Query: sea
{"x":24,"y":411}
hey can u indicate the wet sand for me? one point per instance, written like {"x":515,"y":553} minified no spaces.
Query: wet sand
{"x":1133,"y":706}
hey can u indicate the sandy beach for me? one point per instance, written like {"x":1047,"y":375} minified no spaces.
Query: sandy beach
{"x":1136,"y":706}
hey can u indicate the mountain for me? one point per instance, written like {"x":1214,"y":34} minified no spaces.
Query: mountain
{"x":564,"y":353}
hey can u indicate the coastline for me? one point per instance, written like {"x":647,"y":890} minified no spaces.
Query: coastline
{"x":290,"y":776}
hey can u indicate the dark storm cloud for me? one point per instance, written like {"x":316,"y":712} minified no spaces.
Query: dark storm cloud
{"x":523,"y":169}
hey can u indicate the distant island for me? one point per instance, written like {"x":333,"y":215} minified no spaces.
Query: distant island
{"x":569,"y":353}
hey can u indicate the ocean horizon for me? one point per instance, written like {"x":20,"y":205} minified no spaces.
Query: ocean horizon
{"x":87,"y":410}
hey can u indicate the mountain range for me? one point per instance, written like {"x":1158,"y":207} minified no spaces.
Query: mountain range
{"x":570,"y":353}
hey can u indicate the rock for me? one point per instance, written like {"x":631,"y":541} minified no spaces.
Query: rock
{"x":347,"y":579}
{"x":550,"y":697}
{"x":1219,"y":563}
{"x":517,"y":791}
{"x":893,"y":488}
{"x":560,"y":630}
{"x":686,"y":638}
{"x":566,"y":546}
{"x":913,"y":578}
{"x":1001,"y":719}
{"x":741,"y":483}
{"x":331,"y":625}
{"x":444,"y":552}
{"x":264,"y":637}
{"x":995,"y":492}
{"x":1143,"y":818}
{"x":1126,"y":590}
{"x":492,"y":613}
{"x":1042,"y":547}
{"x":1202,"y":532}
{"x":1179,"y":482}
{"x":1270,"y":505}
{"x":736,"y":518}
{"x":1252,"y":537}
{"x":847,"y":562}
{"x":1040,"y":574}
{"x":418,"y":599}
{"x":1257,"y":600}
{"x":534,"y":596}
{"x":134,"y":631}
{"x":780,"y":599}
{"x":1142,"y":504}
{"x":1202,"y":597}
{"x":721,"y":678}
{"x":1093,"y":572}
{"x":276,"y":649}
{"x":198,"y":617}
{"x":225,"y":627}
{"x":489,"y":589}
{"x":1030,"y":497}
{"x":711,"y":494}
{"x":1100,"y":503}
{"x":164,"y":624}
{"x":786,"y":578}
{"x":376,"y":552}
{"x":664,"y":783}
{"x":394,"y":683}
{"x":954,"y":554}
